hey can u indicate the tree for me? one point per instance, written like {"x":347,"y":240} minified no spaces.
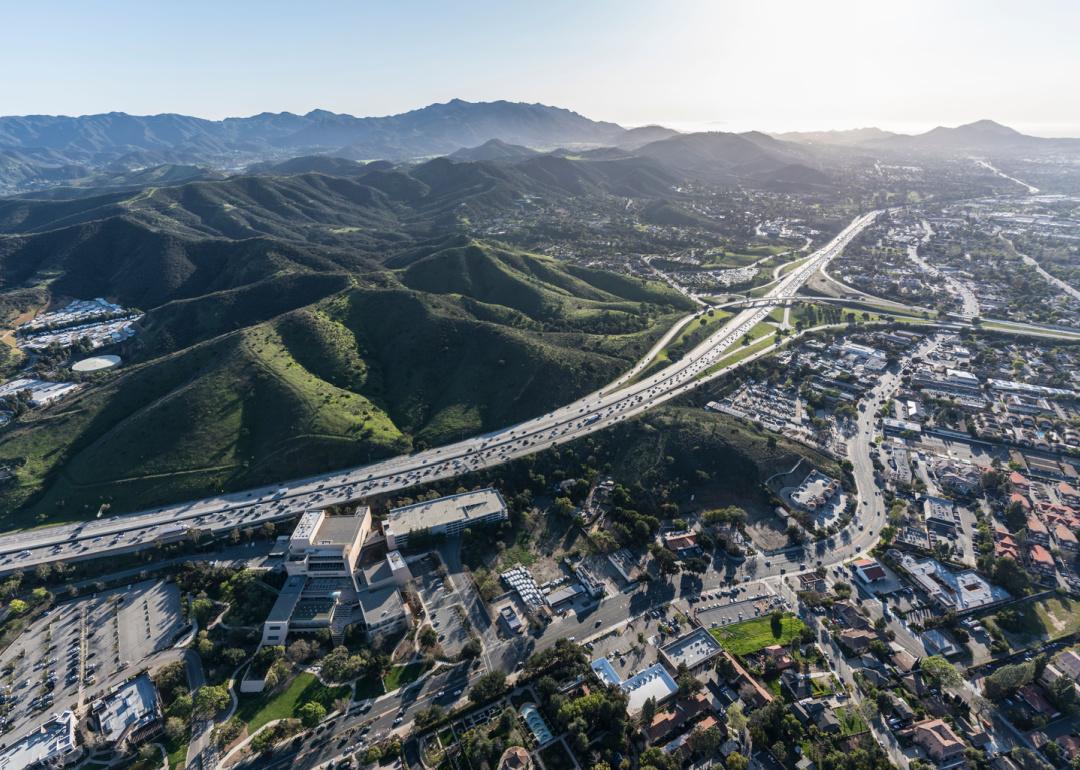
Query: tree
{"x":428,"y":637}
{"x":209,"y":700}
{"x":563,"y":506}
{"x":736,"y":761}
{"x":667,"y":562}
{"x":736,"y":719}
{"x":300,"y":651}
{"x":1008,"y":574}
{"x":488,"y":687}
{"x":688,"y":683}
{"x":372,"y":755}
{"x":227,"y":732}
{"x":1063,"y":693}
{"x":705,"y":743}
{"x":941,"y":671}
{"x":175,"y":729}
{"x":648,"y":711}
{"x":471,"y":649}
{"x":17,"y":606}
{"x":430,"y":716}
{"x":311,"y":713}
{"x":1028,"y":759}
{"x":1008,"y":679}
{"x":148,"y":753}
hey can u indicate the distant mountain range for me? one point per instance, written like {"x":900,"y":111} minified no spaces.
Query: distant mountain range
{"x":121,"y":151}
{"x":982,"y":136}
{"x":42,"y":150}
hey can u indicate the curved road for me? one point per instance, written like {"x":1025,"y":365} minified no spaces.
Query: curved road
{"x":589,"y":414}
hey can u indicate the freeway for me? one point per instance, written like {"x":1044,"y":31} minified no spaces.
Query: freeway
{"x":598,"y":410}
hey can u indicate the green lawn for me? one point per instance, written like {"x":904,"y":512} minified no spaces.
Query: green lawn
{"x":755,"y":634}
{"x":400,"y":676}
{"x":178,"y":753}
{"x":851,"y":721}
{"x":257,"y":710}
{"x":1042,"y":620}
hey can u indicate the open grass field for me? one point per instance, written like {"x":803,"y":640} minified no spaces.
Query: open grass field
{"x":750,"y":636}
{"x":1039,"y":621}
{"x":257,"y":710}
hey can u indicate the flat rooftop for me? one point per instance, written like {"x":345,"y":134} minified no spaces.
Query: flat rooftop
{"x":287,"y":598}
{"x":313,"y":610}
{"x":652,"y":682}
{"x":339,"y":530}
{"x":305,"y":528}
{"x":692,"y":649}
{"x":964,"y":590}
{"x":132,"y":704}
{"x":395,"y":560}
{"x":445,"y":510}
{"x":380,"y":603}
{"x":54,"y":739}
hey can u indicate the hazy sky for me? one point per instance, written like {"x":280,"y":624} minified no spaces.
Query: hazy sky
{"x":768,"y":64}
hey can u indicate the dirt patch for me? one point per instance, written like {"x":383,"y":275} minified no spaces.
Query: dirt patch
{"x":767,"y":530}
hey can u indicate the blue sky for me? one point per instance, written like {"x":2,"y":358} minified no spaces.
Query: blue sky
{"x":726,"y":65}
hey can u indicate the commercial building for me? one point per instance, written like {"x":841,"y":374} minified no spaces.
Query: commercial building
{"x":869,"y":571}
{"x":130,"y":713}
{"x":383,"y":610}
{"x":327,"y":545}
{"x":322,"y":589}
{"x":276,"y":625}
{"x":51,"y":745}
{"x":444,"y":516}
{"x":653,"y":682}
{"x":696,"y":650}
{"x":815,"y":490}
{"x":958,"y":591}
{"x":940,"y":514}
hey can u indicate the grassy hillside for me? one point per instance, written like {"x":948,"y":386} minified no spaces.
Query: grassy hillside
{"x":316,"y":315}
{"x":304,"y":370}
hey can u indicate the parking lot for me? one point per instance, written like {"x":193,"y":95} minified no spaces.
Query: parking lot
{"x":66,"y":656}
{"x":636,"y":645}
{"x":445,"y":611}
{"x":727,"y":606}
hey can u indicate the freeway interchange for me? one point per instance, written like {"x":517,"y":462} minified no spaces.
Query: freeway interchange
{"x":121,"y":534}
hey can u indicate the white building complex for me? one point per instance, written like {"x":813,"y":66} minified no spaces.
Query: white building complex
{"x":51,"y":745}
{"x":327,"y":545}
{"x":444,"y":516}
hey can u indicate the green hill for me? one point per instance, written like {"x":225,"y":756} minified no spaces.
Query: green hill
{"x":261,"y":360}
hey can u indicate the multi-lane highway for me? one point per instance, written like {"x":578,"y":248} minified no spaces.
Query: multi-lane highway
{"x":591,"y":413}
